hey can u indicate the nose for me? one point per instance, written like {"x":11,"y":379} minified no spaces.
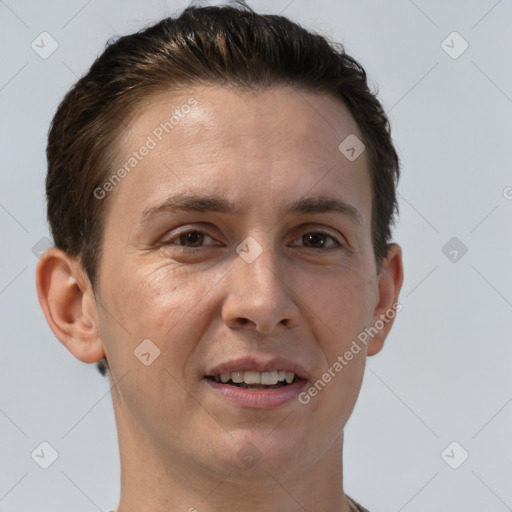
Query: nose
{"x":259,"y":295}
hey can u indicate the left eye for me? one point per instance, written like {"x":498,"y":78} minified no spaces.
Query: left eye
{"x":318,"y":240}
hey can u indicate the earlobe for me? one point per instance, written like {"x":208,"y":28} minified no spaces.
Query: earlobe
{"x":67,"y":300}
{"x":390,"y":282}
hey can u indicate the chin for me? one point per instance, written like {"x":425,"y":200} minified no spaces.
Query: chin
{"x":256,"y":453}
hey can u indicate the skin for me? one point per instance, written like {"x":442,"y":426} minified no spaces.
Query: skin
{"x":302,"y":300}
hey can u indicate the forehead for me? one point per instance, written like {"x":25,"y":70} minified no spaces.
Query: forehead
{"x":284,"y":112}
{"x":279,"y":143}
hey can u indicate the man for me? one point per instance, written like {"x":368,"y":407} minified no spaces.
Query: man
{"x":221,"y":189}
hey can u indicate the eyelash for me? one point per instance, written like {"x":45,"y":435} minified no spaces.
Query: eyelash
{"x":170,"y":242}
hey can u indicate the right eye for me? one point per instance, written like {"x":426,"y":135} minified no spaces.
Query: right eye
{"x":190,"y":239}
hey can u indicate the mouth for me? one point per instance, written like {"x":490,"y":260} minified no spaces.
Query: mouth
{"x":248,"y":379}
{"x":257,"y":385}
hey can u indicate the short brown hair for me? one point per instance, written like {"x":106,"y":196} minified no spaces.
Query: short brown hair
{"x":228,"y":46}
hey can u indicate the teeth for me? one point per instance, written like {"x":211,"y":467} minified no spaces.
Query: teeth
{"x":237,"y":377}
{"x":269,"y":378}
{"x":251,"y":377}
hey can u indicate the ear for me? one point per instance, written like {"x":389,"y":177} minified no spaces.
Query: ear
{"x":67,"y":299}
{"x":391,"y":277}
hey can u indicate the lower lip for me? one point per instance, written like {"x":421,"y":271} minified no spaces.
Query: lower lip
{"x":258,"y":398}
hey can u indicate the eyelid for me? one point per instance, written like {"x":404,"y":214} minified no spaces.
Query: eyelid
{"x":175,"y":236}
{"x":316,"y":227}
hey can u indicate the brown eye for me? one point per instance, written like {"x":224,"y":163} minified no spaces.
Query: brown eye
{"x":319,"y":240}
{"x":192,"y":238}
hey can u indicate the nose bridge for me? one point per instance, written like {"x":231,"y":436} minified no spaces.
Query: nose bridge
{"x":257,"y":291}
{"x":257,"y":268}
{"x":259,"y":264}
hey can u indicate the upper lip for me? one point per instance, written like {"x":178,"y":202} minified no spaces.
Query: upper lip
{"x":258,"y":365}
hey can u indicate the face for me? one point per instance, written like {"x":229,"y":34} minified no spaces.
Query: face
{"x":239,"y":242}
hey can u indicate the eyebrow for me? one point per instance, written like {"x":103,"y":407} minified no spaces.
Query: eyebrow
{"x":212,"y":203}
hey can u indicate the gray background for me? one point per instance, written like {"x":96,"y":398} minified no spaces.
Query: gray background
{"x":444,"y":374}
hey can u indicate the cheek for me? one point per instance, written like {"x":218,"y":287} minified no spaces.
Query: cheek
{"x":164,"y":304}
{"x":344,"y":310}
{"x":341,"y":302}
{"x":170,"y":309}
